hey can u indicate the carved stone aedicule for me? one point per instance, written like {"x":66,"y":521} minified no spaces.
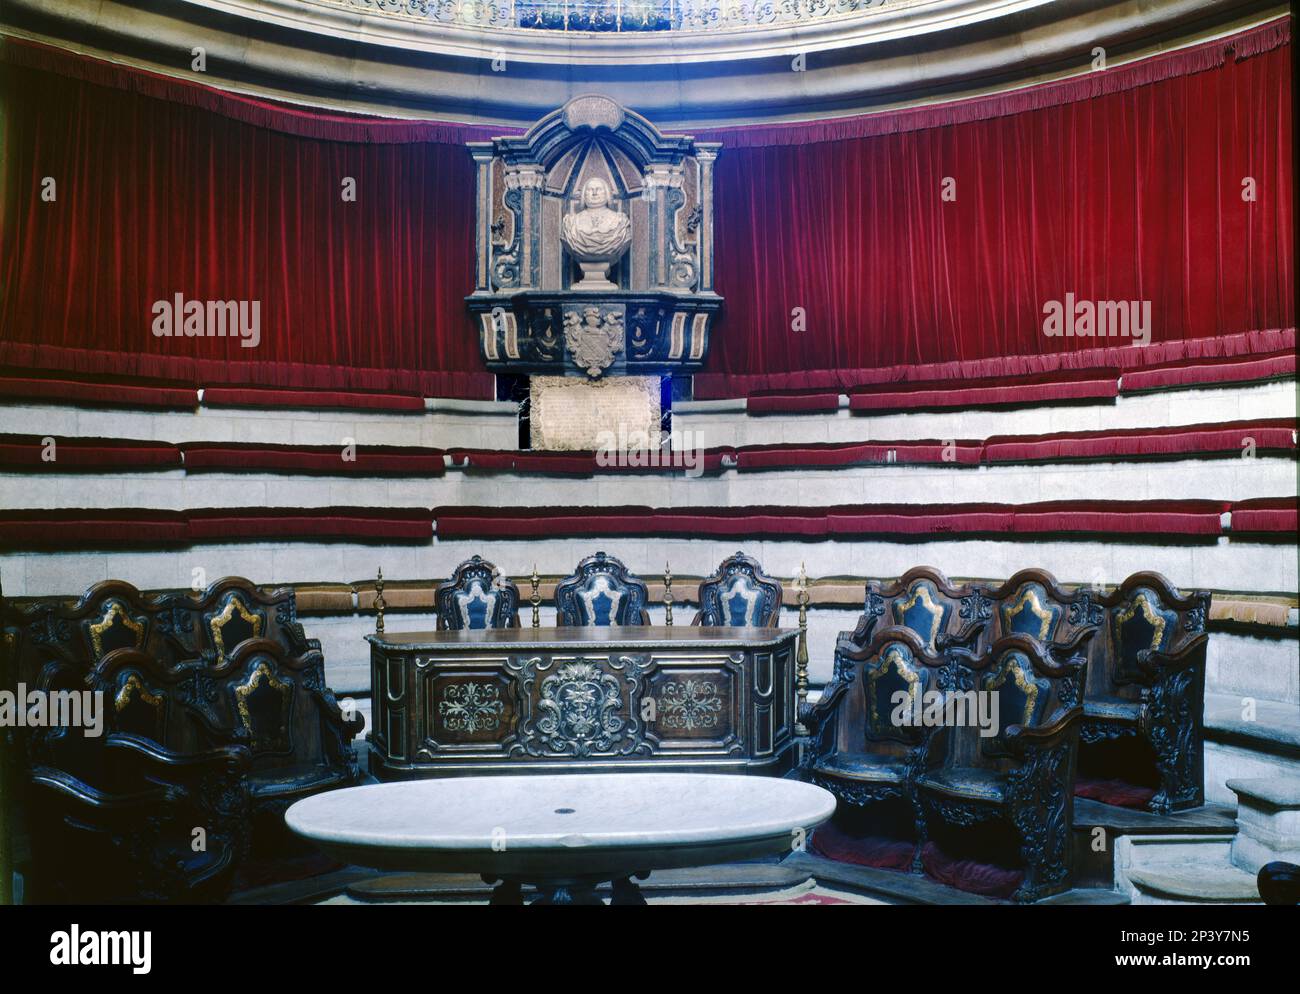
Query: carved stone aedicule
{"x":594,"y":206}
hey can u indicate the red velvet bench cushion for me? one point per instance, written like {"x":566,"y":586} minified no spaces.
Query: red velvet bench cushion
{"x":97,"y":393}
{"x":88,"y":528}
{"x":318,"y":524}
{"x":311,"y":399}
{"x":1122,"y":443}
{"x":798,"y":455}
{"x":72,"y":455}
{"x":1265,"y":514}
{"x":1038,"y":388}
{"x":369,"y":460}
{"x":1210,"y":372}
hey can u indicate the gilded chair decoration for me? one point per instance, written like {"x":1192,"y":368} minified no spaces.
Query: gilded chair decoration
{"x":601,"y":592}
{"x":924,"y":614}
{"x":1142,"y":626}
{"x":265,"y":705}
{"x":739,"y":595}
{"x":235,"y":624}
{"x":1031,"y":613}
{"x":477,"y":596}
{"x":884,"y":677}
{"x":116,"y":629}
{"x":1022,"y":696}
{"x":138,"y":710}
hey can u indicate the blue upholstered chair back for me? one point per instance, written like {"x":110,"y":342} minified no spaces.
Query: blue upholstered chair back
{"x":477,"y":596}
{"x":739,"y":595}
{"x":601,"y":592}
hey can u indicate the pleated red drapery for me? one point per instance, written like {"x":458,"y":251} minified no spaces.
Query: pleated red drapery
{"x":1130,"y":195}
{"x":1114,"y":187}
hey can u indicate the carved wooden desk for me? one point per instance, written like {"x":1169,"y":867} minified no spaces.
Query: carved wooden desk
{"x":549,"y":700}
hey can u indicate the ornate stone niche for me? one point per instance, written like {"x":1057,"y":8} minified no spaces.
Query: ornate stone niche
{"x":594,"y":246}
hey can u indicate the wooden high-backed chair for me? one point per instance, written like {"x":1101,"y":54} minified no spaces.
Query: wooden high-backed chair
{"x":1024,"y":773}
{"x":1150,"y":683}
{"x":859,"y":752}
{"x":923,"y":600}
{"x":601,"y":592}
{"x":739,"y":595}
{"x":477,"y":596}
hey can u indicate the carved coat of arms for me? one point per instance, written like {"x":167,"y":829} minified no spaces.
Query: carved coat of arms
{"x":593,"y":337}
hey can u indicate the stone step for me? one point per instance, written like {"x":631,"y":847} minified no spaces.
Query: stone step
{"x":1268,"y":822}
{"x":1237,"y":748}
{"x":1193,"y":883}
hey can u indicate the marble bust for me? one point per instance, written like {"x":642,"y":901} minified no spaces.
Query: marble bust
{"x":596,"y":236}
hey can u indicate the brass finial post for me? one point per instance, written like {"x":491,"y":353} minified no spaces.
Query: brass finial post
{"x":379,"y":602}
{"x":536,"y":597}
{"x":801,"y":660}
{"x":668,"y":595}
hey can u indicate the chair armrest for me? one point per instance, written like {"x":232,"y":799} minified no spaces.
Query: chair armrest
{"x":1156,"y":664}
{"x":69,"y":786}
{"x":1073,"y":647}
{"x":1019,"y":738}
{"x":814,"y":716}
{"x":964,"y":638}
{"x":153,"y":758}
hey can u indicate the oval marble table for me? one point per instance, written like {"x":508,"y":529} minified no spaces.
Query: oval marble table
{"x":562,"y":834}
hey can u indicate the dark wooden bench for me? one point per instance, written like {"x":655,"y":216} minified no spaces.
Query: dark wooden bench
{"x":190,"y":673}
{"x":1142,"y":738}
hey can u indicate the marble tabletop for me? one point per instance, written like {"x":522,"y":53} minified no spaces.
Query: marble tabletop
{"x":588,"y":824}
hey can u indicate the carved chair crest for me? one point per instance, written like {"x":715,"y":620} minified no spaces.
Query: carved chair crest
{"x":477,"y":596}
{"x":739,"y":595}
{"x":601,"y":592}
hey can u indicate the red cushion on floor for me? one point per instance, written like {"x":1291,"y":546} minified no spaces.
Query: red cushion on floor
{"x":1116,"y":792}
{"x":969,"y":875}
{"x":881,"y":852}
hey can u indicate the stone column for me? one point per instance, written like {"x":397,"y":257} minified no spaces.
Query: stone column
{"x":482,"y":153}
{"x":528,"y":180}
{"x":705,"y":154}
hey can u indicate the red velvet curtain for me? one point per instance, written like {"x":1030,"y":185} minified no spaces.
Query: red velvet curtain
{"x":1134,"y":194}
{"x":157,"y":197}
{"x":1124,"y":185}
